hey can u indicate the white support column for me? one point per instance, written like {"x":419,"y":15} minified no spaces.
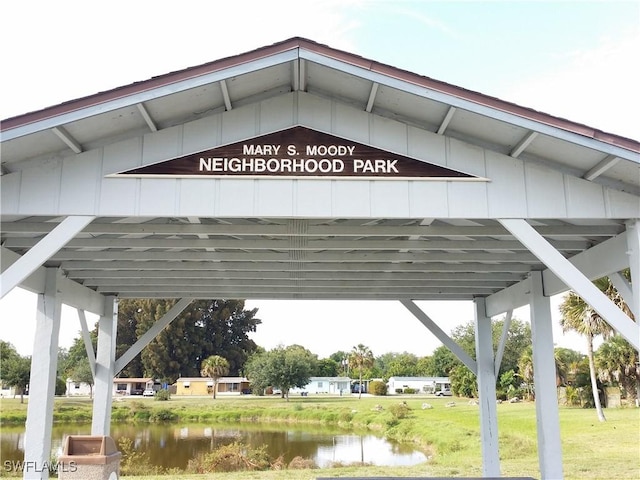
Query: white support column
{"x":441,"y":335}
{"x":42,"y":383}
{"x":41,"y":252}
{"x":633,"y":250}
{"x":574,"y":279}
{"x":487,"y":392}
{"x":105,"y":361}
{"x":150,"y":334}
{"x":544,"y":377}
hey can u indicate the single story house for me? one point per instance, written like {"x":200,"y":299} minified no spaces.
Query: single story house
{"x":78,"y":388}
{"x":330,"y":385}
{"x":133,"y":386}
{"x":204,"y":385}
{"x":429,"y":385}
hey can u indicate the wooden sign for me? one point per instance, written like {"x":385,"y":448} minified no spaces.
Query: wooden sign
{"x":297,"y":152}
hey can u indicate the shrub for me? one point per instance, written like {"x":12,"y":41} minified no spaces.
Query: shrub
{"x":398,"y":390}
{"x":163,"y":395}
{"x":299,"y":463}
{"x":378,"y":388}
{"x":231,"y":458}
{"x":399,"y":411}
{"x":409,"y":390}
{"x":163,"y":415}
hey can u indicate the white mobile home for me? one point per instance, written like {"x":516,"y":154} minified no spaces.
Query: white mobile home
{"x":330,"y":385}
{"x":428,"y":385}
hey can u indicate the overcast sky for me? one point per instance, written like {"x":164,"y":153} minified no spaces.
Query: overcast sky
{"x":576,"y":60}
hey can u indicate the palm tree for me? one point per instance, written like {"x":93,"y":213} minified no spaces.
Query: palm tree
{"x":579,"y":316}
{"x":361,"y":358}
{"x":617,"y":361}
{"x":215,"y":367}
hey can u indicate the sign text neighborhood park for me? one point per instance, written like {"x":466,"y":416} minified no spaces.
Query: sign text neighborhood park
{"x":296,"y":152}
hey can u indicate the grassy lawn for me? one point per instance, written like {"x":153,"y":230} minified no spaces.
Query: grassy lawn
{"x":450,"y":436}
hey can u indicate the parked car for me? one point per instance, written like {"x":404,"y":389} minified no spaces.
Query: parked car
{"x":444,"y":393}
{"x":149,"y":392}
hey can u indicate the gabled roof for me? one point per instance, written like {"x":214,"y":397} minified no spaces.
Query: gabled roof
{"x":301,"y":64}
{"x":386,"y":243}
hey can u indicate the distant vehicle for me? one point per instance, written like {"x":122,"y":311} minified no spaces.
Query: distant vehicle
{"x":444,"y":393}
{"x":149,"y":392}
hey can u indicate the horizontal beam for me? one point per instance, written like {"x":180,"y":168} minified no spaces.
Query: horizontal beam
{"x":120,"y":265}
{"x":363,"y":282}
{"x":315,"y":257}
{"x":136,"y":276}
{"x":271,"y":244}
{"x":393,"y":231}
{"x":287,"y":295}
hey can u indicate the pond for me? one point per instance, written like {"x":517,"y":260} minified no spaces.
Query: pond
{"x":171,"y":446}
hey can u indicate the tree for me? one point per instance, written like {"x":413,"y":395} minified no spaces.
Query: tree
{"x":215,"y":367}
{"x":82,"y":373}
{"x":361,"y":358}
{"x":16,"y":372}
{"x":282,"y":367}
{"x":204,"y":328}
{"x":579,"y":316}
{"x":443,"y":361}
{"x":403,"y":365}
{"x":326,"y":367}
{"x":617,"y":362}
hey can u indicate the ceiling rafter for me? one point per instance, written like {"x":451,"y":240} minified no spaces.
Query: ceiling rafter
{"x":446,"y":120}
{"x":225,"y":95}
{"x":523,"y":144}
{"x":372,"y":96}
{"x":67,"y":138}
{"x":601,"y":167}
{"x":147,"y":117}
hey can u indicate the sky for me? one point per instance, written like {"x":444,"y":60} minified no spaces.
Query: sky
{"x":572,"y":59}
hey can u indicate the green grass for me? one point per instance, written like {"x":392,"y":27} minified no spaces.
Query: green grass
{"x":450,"y":436}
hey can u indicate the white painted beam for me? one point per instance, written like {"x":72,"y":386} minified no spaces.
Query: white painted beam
{"x":544,"y":375}
{"x":574,"y":279}
{"x":225,"y":95}
{"x":40,"y":253}
{"x":503,"y":341}
{"x":71,"y":292}
{"x":601,"y":167}
{"x":147,"y":117}
{"x":295,"y":75}
{"x":42,"y":382}
{"x":303,"y":75}
{"x":623,"y":286}
{"x":88,"y":345}
{"x":68,"y":140}
{"x":523,"y":144}
{"x":487,"y":392}
{"x":105,"y":361}
{"x":446,"y":120}
{"x":441,"y":335}
{"x":633,"y":252}
{"x":372,"y":97}
{"x":599,"y":261}
{"x":150,"y":334}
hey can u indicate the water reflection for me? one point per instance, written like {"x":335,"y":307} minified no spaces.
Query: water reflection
{"x":172,"y":446}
